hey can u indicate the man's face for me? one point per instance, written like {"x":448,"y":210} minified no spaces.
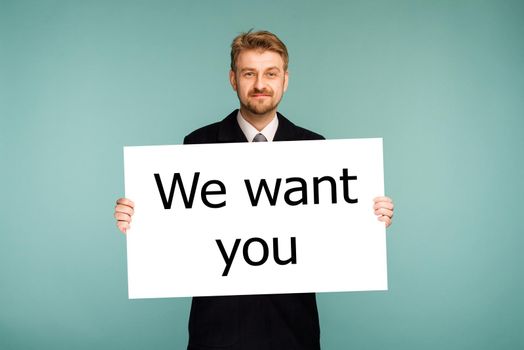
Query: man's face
{"x":260,"y":80}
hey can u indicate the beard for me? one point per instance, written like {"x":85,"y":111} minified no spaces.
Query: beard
{"x":260,"y":106}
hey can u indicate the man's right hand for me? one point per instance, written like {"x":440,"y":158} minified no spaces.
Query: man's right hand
{"x":124,"y":210}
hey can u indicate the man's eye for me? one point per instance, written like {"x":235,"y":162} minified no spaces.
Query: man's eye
{"x":249,"y":74}
{"x":271,"y":74}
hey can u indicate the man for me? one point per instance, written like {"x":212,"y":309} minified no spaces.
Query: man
{"x":259,"y":76}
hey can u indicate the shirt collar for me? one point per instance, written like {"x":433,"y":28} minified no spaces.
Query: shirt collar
{"x":250,"y":131}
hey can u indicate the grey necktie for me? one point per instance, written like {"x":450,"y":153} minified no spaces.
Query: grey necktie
{"x":259,"y":138}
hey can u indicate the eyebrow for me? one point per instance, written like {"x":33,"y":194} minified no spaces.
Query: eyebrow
{"x":252,"y":69}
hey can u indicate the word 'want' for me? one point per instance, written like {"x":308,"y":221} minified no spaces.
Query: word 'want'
{"x":296,"y":187}
{"x":228,"y":258}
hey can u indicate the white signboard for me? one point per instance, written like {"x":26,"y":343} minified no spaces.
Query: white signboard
{"x":255,"y":218}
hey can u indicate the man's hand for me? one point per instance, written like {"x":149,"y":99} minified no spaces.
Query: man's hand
{"x":384,"y":209}
{"x":124,"y":210}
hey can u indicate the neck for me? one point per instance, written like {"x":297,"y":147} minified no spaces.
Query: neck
{"x":259,"y":121}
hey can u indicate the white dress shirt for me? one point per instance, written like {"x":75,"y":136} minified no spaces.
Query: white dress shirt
{"x":250,"y":131}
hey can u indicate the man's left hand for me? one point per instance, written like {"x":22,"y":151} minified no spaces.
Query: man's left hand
{"x":384,"y":209}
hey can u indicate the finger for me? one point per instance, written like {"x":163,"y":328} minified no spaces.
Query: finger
{"x":385,"y":219}
{"x":123,"y":226}
{"x":382,"y":199}
{"x":120,"y":208}
{"x":125,"y":201}
{"x":383,"y":211}
{"x":122,"y":217}
{"x":387,"y":205}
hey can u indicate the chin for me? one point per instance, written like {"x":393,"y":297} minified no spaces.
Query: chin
{"x":260,"y":109}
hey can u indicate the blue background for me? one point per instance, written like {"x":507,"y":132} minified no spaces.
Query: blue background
{"x":441,"y":81}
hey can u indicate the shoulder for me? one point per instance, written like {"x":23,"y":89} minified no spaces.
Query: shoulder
{"x":226,"y":130}
{"x":288,"y":131}
{"x":305,"y":134}
{"x":204,"y":134}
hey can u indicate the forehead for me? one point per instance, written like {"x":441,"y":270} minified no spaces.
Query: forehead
{"x":257,"y":59}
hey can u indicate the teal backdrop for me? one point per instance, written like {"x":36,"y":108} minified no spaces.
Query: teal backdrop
{"x":441,"y":81}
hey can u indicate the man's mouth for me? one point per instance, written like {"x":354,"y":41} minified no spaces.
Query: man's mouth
{"x":260,"y":95}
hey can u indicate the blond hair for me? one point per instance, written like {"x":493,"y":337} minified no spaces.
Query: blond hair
{"x":260,"y":40}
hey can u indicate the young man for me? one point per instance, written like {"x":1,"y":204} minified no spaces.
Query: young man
{"x":259,"y":76}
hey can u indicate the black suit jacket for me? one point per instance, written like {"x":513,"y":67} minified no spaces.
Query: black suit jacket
{"x":253,"y":322}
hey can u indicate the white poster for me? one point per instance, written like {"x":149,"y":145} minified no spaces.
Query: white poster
{"x":255,"y":218}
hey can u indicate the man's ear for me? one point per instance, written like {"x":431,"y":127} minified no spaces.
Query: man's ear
{"x":286,"y":80}
{"x":233,"y":80}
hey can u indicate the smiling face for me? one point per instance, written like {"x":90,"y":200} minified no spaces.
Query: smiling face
{"x":260,"y":82}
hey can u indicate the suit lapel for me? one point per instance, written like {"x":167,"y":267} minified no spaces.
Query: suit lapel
{"x":286,"y":130}
{"x":229,"y":130}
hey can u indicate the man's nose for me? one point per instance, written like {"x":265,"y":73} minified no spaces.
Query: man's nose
{"x":259,"y":83}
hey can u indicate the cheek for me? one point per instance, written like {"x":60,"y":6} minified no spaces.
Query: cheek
{"x":243,"y":87}
{"x":278,"y":88}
